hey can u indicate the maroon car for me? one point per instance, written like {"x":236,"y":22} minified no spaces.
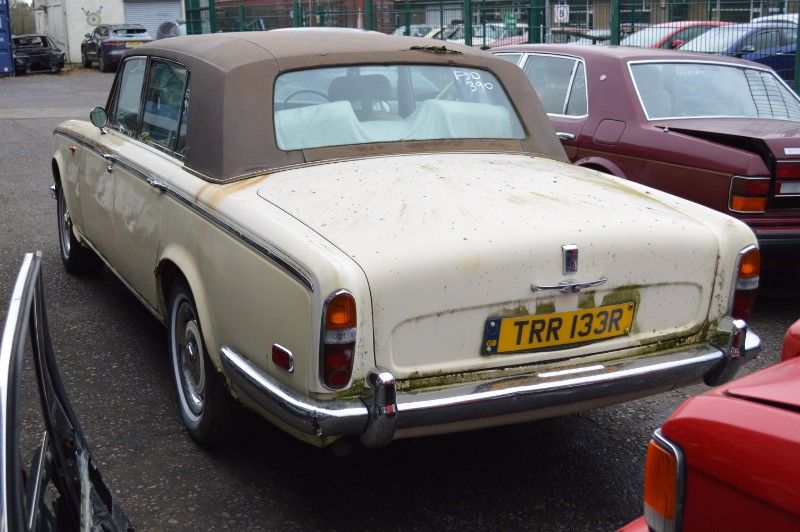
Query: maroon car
{"x":719,"y":131}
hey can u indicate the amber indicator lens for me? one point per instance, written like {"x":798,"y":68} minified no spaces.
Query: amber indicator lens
{"x":787,"y":170}
{"x":750,"y":265}
{"x":660,"y":481}
{"x":741,"y":204}
{"x":341,"y":312}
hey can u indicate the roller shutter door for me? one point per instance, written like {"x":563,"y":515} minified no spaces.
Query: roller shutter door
{"x":151,"y":14}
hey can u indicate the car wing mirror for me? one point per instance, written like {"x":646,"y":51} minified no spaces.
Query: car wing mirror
{"x":677,"y":43}
{"x":99,"y":118}
{"x":747,"y":50}
{"x":88,"y":35}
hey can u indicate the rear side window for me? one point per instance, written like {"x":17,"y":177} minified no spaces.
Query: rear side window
{"x":163,"y":101}
{"x":560,"y":83}
{"x":129,"y":96}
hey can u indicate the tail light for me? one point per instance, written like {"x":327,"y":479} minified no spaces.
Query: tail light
{"x":745,"y":290}
{"x":663,"y":485}
{"x":113,"y":43}
{"x":749,"y":194}
{"x":791,"y":342}
{"x":338,"y":339}
{"x":787,"y":179}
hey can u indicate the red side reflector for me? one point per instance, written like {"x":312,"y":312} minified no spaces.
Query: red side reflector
{"x":787,"y":170}
{"x":282,"y":358}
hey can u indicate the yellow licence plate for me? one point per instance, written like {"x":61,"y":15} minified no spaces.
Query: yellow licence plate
{"x":133,"y":44}
{"x":531,"y":333}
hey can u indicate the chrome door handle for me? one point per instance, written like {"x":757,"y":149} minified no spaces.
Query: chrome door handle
{"x":564,"y":136}
{"x":110,"y":159}
{"x":156,"y":184}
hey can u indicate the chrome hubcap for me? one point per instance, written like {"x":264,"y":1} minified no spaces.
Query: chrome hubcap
{"x":191,"y":368}
{"x":65,"y":226}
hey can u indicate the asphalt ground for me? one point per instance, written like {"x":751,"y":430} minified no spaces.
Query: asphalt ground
{"x":577,"y":472}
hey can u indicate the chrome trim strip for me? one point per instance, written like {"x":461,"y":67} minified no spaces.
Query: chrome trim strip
{"x":611,"y":382}
{"x":271,"y":253}
{"x":569,"y":286}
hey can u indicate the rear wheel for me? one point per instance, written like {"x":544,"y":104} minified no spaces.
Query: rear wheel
{"x":203,"y":400}
{"x":101,"y":62}
{"x":76,"y":258}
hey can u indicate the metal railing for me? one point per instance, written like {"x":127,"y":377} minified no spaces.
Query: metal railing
{"x":62,"y":458}
{"x":490,"y":23}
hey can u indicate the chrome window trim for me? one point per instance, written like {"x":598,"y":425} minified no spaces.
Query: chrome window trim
{"x":112,"y":99}
{"x":266,"y":249}
{"x":577,"y":59}
{"x":695,"y":62}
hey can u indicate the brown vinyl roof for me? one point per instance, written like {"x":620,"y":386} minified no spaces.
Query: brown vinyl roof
{"x":231,"y":135}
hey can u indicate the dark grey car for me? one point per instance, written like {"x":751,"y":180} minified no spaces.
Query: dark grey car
{"x":36,"y":53}
{"x":107,"y":43}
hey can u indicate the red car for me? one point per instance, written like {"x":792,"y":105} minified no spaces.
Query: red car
{"x":730,"y":459}
{"x":670,"y":34}
{"x":719,"y":131}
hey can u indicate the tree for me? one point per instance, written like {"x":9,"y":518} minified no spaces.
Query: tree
{"x":22,"y":18}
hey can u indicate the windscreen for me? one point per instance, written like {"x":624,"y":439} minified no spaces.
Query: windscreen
{"x":716,"y":40}
{"x":368,"y":104}
{"x":648,"y":37}
{"x":692,"y":90}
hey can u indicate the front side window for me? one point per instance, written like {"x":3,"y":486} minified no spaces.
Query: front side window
{"x":693,"y":90}
{"x":560,"y":83}
{"x":368,"y":104}
{"x":163,"y":100}
{"x":129,"y":96}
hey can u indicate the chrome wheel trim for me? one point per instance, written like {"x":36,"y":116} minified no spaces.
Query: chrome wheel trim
{"x":188,"y":357}
{"x":64,"y":226}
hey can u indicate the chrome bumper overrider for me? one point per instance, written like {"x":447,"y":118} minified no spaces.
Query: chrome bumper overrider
{"x":376,"y":419}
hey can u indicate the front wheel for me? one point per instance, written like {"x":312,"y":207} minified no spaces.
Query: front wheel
{"x":76,"y":258}
{"x":204,"y":403}
{"x":85,"y":61}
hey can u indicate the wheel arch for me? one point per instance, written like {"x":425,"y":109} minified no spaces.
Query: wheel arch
{"x":55,"y":164}
{"x":601,"y":165}
{"x":175,"y":264}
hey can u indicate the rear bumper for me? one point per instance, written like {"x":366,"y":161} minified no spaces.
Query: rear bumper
{"x":387,"y":413}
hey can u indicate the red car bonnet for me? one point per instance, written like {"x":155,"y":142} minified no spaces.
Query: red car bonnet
{"x":791,"y":342}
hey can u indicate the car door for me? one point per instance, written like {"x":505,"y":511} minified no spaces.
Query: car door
{"x":93,"y":43}
{"x":141,"y":172}
{"x":560,"y":83}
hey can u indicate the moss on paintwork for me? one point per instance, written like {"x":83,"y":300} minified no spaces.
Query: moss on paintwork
{"x":623,"y":294}
{"x":357,"y":389}
{"x":548,"y":307}
{"x":519,"y":310}
{"x":586,"y":301}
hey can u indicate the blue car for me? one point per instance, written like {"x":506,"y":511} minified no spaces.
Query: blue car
{"x":771,"y":44}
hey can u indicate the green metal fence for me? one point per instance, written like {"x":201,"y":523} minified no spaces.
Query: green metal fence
{"x":489,"y":23}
